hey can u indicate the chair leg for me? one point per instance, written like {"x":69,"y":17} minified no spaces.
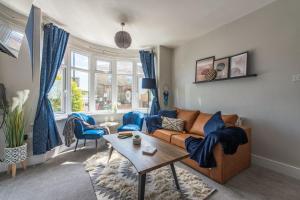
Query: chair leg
{"x":84,"y":142}
{"x":76,"y":145}
{"x":96,"y":145}
{"x":13,"y":170}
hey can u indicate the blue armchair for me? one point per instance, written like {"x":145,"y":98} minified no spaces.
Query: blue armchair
{"x":132,"y":121}
{"x":83,"y":132}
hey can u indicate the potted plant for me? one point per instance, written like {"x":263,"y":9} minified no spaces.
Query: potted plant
{"x":136,"y":140}
{"x":14,"y":130}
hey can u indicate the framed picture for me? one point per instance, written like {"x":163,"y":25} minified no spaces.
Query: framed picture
{"x":238,"y":65}
{"x":222,"y":67}
{"x":202,"y":66}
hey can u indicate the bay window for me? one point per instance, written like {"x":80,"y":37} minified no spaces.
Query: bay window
{"x":56,"y":95}
{"x":79,"y":82}
{"x":124,"y":83}
{"x":92,"y":83}
{"x":103,"y":86}
{"x":142,"y":93}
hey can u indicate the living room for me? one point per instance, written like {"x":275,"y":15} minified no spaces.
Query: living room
{"x":121,"y":99}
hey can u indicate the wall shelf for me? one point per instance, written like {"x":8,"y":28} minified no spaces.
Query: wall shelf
{"x":224,"y":79}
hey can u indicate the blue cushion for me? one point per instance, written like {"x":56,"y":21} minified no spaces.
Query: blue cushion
{"x":93,"y":134}
{"x":153,"y":122}
{"x":129,"y":127}
{"x":214,"y":123}
{"x":168,"y":113}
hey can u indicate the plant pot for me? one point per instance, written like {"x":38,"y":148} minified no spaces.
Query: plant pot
{"x":15,"y":155}
{"x":136,"y":141}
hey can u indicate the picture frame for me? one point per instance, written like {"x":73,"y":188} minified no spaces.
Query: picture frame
{"x":239,"y":65}
{"x":222,"y":65}
{"x":203,"y":65}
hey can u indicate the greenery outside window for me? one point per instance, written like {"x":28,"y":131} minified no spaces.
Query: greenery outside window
{"x":79,"y":82}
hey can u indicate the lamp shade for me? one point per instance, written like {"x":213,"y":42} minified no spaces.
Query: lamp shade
{"x":123,"y":39}
{"x":148,"y":83}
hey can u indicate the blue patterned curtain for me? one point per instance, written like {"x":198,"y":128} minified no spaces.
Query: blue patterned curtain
{"x":147,"y":59}
{"x":45,"y":133}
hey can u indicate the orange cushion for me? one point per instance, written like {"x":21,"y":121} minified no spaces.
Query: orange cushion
{"x":179,"y":139}
{"x":188,"y":116}
{"x":165,"y":134}
{"x":204,"y":117}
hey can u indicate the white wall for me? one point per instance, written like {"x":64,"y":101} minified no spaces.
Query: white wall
{"x":165,"y":56}
{"x":269,"y":103}
{"x":16,"y":74}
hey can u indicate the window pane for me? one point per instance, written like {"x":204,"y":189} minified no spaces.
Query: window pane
{"x":80,"y":91}
{"x":79,"y":61}
{"x":103,"y":91}
{"x":142,"y":95}
{"x":103,"y":66}
{"x":14,"y":41}
{"x":63,"y":62}
{"x":140,"y":68}
{"x":56,"y":94}
{"x":124,"y":83}
{"x":124,"y":67}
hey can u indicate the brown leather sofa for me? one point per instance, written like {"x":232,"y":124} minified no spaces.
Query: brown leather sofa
{"x":227,"y":165}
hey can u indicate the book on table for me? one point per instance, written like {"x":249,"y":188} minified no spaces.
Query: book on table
{"x":149,"y":150}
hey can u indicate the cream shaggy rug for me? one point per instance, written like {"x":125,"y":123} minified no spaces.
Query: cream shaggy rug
{"x":118,"y":180}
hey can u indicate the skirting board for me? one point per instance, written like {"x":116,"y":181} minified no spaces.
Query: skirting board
{"x":276,"y":166}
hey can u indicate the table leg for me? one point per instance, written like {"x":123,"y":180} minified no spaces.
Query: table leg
{"x":175,"y":176}
{"x":96,"y":145}
{"x":110,"y":153}
{"x":141,"y":189}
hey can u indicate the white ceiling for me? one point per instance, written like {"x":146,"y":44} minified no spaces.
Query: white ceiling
{"x":150,"y":22}
{"x":21,"y":6}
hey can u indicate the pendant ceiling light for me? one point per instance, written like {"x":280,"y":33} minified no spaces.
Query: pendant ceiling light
{"x":123,"y":38}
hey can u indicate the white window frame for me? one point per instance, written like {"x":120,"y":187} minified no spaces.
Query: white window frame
{"x":92,"y":63}
{"x":88,"y":70}
{"x":96,"y":58}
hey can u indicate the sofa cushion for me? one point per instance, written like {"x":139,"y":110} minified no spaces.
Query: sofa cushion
{"x":188,"y":116}
{"x":204,"y":117}
{"x":230,"y":120}
{"x":172,"y":124}
{"x":179,"y":139}
{"x":168,"y":113}
{"x":153,"y":123}
{"x":165,"y":134}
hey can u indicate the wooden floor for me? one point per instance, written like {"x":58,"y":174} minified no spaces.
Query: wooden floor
{"x":64,"y":178}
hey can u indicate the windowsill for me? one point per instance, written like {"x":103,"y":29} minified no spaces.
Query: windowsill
{"x":60,"y":116}
{"x":64,"y":116}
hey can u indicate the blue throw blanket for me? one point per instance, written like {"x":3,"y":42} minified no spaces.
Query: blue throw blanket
{"x":201,"y":150}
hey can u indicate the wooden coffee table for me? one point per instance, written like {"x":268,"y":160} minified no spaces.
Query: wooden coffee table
{"x":166,"y":154}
